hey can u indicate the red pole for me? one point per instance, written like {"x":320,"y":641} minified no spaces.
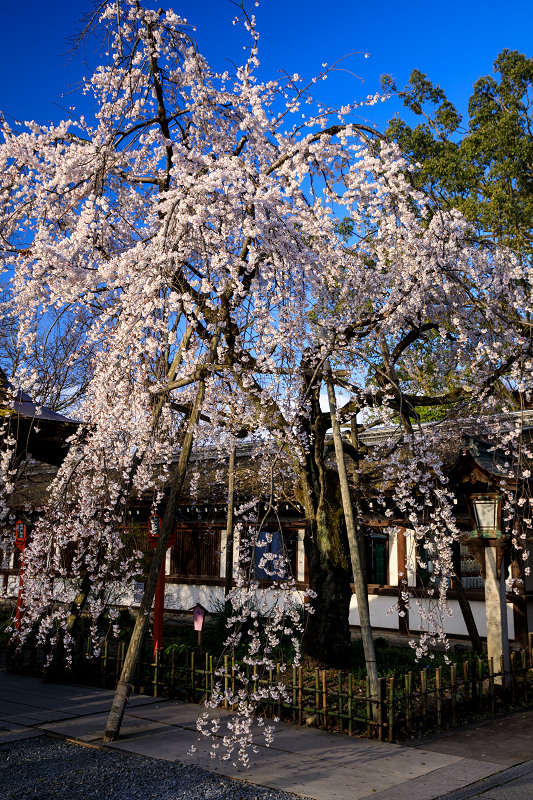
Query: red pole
{"x":19,"y":599}
{"x":20,"y":544}
{"x":159,"y":600}
{"x":159,"y":607}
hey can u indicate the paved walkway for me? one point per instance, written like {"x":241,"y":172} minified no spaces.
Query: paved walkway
{"x":308,"y":762}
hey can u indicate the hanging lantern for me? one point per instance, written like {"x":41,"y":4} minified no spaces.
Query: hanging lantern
{"x":485,"y":510}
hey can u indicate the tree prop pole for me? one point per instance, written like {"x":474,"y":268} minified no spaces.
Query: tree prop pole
{"x":228,"y":579}
{"x":359,"y":582}
{"x":124,"y":685}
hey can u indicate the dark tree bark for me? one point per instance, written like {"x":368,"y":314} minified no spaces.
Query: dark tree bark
{"x":326,"y":641}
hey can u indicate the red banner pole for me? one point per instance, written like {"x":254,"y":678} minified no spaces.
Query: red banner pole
{"x":159,"y":607}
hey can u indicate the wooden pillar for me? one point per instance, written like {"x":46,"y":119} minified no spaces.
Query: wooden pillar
{"x":20,"y":545}
{"x":403,"y":621}
{"x":228,"y":579}
{"x":159,"y":608}
{"x":496,"y":609}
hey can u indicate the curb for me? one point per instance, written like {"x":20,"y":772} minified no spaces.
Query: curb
{"x":493,"y":781}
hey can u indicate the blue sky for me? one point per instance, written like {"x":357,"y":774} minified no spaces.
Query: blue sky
{"x":454,"y":43}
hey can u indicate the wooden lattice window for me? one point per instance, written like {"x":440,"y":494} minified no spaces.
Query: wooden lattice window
{"x":196,"y":552}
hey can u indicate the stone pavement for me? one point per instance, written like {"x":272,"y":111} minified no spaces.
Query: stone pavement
{"x":308,"y":762}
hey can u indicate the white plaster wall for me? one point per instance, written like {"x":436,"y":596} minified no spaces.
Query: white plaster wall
{"x":410,"y":549}
{"x":393,"y":559}
{"x":379,"y":607}
{"x":455,"y":625}
{"x":183,"y":597}
{"x":223,"y":540}
{"x":223,"y":544}
{"x":300,"y":556}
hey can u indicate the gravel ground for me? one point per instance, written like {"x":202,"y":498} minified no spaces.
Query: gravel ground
{"x":45,"y":768}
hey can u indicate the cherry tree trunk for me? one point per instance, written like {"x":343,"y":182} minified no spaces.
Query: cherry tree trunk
{"x":326,"y":640}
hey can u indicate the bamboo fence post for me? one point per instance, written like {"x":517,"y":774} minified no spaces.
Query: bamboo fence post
{"x":339,"y":701}
{"x":117,"y":664}
{"x":297,"y":696}
{"x":278,"y":680}
{"x":502,"y":673}
{"x":423,"y":694}
{"x":317,"y":696}
{"x":480,"y":684}
{"x":407,"y":685}
{"x":172,"y":673}
{"x":368,"y":709}
{"x":438,"y":690}
{"x":491,"y":684}
{"x":137,"y":675}
{"x":295,"y":709}
{"x":324,"y":702}
{"x":192,"y":676}
{"x":473,"y":682}
{"x":350,"y":704}
{"x":381,"y":706}
{"x":226,"y":681}
{"x":391,"y":709}
{"x":524,"y":673}
{"x":466,"y":678}
{"x":453,"y":682}
{"x":103,"y":663}
{"x":530,"y":647}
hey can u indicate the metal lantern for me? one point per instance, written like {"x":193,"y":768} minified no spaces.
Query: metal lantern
{"x":486,"y":515}
{"x":20,"y":530}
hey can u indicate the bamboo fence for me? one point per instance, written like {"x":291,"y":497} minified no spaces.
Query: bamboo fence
{"x":407,"y":705}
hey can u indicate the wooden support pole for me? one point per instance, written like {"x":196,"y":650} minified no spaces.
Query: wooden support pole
{"x":159,"y":608}
{"x":228,"y":575}
{"x":403,"y":616}
{"x":124,"y":686}
{"x":361,"y":592}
